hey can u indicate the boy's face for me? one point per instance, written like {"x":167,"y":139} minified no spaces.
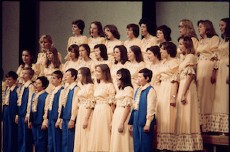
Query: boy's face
{"x":68,"y":77}
{"x":10,"y":81}
{"x":141,"y":79}
{"x":26,"y":75}
{"x":55,"y":80}
{"x":38,"y":85}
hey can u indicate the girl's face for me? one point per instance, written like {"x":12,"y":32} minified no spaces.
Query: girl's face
{"x":118,"y":76}
{"x":108,"y":34}
{"x":181,"y":46}
{"x":98,"y":73}
{"x":144,"y":31}
{"x":72,"y":54}
{"x":50,"y":55}
{"x":160,"y":36}
{"x":45,"y":44}
{"x":97,"y":53}
{"x":182,"y":30}
{"x":93,"y":30}
{"x":82,"y":52}
{"x":222,"y":26}
{"x":75,"y":30}
{"x":201,"y":29}
{"x":26,"y":57}
{"x":117,"y":54}
{"x":131,"y":55}
{"x":129,"y":33}
{"x":151,"y":56}
{"x":80,"y":76}
{"x":164,"y":53}
{"x":38,"y":85}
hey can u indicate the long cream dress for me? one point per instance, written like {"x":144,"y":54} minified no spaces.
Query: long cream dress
{"x":130,"y":42}
{"x":134,"y":68}
{"x":92,"y":42}
{"x":206,"y":90}
{"x":188,"y":136}
{"x":146,"y":43}
{"x":220,"y":110}
{"x":85,"y":102}
{"x":166,"y":114}
{"x":121,"y":142}
{"x":155,"y":68}
{"x":70,"y":64}
{"x":110,"y":45}
{"x":100,"y":130}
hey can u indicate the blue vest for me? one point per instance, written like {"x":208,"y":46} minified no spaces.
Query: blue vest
{"x":67,"y":110}
{"x":53,"y":114}
{"x":37,"y":117}
{"x":138,"y":117}
{"x":25,"y":98}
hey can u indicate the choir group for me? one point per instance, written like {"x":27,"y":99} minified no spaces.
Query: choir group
{"x":120,"y":96}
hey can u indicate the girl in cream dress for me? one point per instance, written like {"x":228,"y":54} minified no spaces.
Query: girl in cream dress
{"x":121,"y":140}
{"x":220,"y":111}
{"x":104,"y":94}
{"x":163,"y":34}
{"x":166,"y":97}
{"x":188,"y":134}
{"x":154,"y":65}
{"x":100,"y":52}
{"x":78,"y":38}
{"x":74,"y":56}
{"x":85,"y":106}
{"x":132,"y":33}
{"x":96,"y":37}
{"x":148,"y":39}
{"x":121,"y":58}
{"x":206,"y":52}
{"x":135,"y":63}
{"x":112,"y":39}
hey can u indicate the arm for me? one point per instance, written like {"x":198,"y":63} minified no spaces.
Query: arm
{"x":31,"y":91}
{"x":74,"y":109}
{"x":85,"y":125}
{"x":173,"y":93}
{"x":188,"y":81}
{"x":45,"y":116}
{"x":123,"y":119}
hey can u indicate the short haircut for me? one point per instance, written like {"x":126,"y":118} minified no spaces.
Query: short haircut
{"x":155,"y":50}
{"x":80,"y":24}
{"x":73,"y":72}
{"x":44,"y":80}
{"x":146,"y":73}
{"x":125,"y":78}
{"x":103,"y":50}
{"x":58,"y":73}
{"x":166,"y":31}
{"x":12,"y":74}
{"x":31,"y":71}
{"x":75,"y":49}
{"x":170,"y":47}
{"x":135,"y":29}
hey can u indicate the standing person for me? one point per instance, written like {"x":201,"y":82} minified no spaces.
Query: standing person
{"x":85,"y":104}
{"x":27,"y":61}
{"x":220,"y":111}
{"x":188,"y":134}
{"x":148,"y":39}
{"x":96,"y":36}
{"x":73,"y":57}
{"x":143,"y":113}
{"x":121,"y":58}
{"x":78,"y":38}
{"x":163,"y":34}
{"x":154,"y":65}
{"x":10,"y":128}
{"x":46,"y":42}
{"x":206,"y":52}
{"x":25,"y":137}
{"x":54,"y":133}
{"x":121,"y":140}
{"x":37,"y":114}
{"x":101,"y":55}
{"x":112,"y":36}
{"x":135,"y":63}
{"x":69,"y":110}
{"x":104,"y":93}
{"x":167,"y":93}
{"x":132,"y":32}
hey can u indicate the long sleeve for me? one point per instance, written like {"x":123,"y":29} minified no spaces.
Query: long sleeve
{"x":74,"y":104}
{"x":31,"y":91}
{"x":151,"y":106}
{"x":46,"y":109}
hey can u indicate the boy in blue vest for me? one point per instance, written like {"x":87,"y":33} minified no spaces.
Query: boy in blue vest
{"x":25,"y":138}
{"x":10,"y":128}
{"x":144,"y":109}
{"x":54,"y":133}
{"x":69,"y":110}
{"x":37,"y":114}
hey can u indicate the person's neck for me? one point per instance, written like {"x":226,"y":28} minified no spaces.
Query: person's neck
{"x":133,"y":61}
{"x":147,"y":36}
{"x":155,"y":61}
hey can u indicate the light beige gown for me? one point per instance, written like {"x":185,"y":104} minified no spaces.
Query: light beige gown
{"x":121,"y":141}
{"x":110,"y":45}
{"x":100,"y":130}
{"x":206,"y":90}
{"x":166,"y":114}
{"x":92,"y":42}
{"x":128,"y":43}
{"x":85,"y":102}
{"x":188,"y":135}
{"x":220,"y":111}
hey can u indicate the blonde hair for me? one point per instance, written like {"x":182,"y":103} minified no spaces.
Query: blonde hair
{"x":189,"y":28}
